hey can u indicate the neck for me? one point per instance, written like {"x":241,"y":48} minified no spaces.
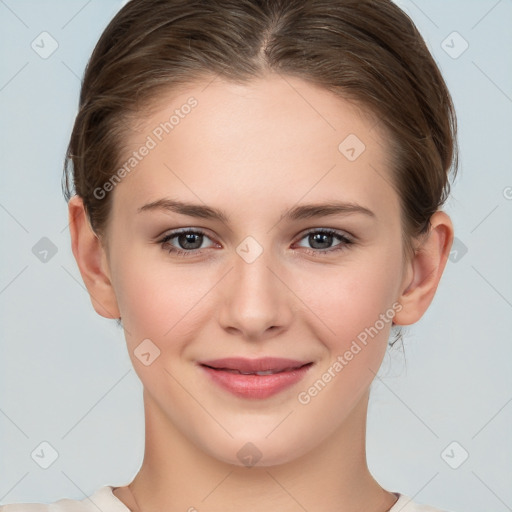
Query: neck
{"x":176,"y":475}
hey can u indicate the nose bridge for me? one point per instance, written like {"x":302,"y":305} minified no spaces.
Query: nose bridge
{"x":255,"y":298}
{"x":253,"y":277}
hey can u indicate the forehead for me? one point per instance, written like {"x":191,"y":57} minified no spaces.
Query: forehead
{"x":272,"y":138}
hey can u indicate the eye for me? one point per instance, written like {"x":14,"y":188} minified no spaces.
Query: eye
{"x":189,"y":242}
{"x":321,"y":241}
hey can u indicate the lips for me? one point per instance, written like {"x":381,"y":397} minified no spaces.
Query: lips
{"x":262,"y":366}
{"x":255,"y":378}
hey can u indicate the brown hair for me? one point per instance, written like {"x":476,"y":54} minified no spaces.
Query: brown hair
{"x":367,"y":51}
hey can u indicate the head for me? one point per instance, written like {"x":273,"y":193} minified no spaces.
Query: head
{"x":254,"y":109}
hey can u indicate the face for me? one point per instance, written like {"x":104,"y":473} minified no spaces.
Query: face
{"x":294,"y":251}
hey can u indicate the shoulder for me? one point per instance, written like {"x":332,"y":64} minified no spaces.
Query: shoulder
{"x":406,"y":504}
{"x":103,"y":499}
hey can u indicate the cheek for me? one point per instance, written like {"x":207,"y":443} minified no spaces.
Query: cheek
{"x":354,"y":309}
{"x":161,"y":304}
{"x":348,"y":300}
{"x":156,"y":301}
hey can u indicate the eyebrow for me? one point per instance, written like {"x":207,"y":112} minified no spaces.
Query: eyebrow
{"x":306,"y":211}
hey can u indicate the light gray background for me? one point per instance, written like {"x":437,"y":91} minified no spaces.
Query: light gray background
{"x":65,"y":374}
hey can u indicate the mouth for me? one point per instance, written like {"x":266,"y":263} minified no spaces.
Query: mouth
{"x":255,"y":378}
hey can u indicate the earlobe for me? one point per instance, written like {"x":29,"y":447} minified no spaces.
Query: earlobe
{"x":91,"y":259}
{"x":425,"y":270}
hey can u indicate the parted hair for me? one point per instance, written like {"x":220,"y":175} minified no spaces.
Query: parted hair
{"x":366,"y":51}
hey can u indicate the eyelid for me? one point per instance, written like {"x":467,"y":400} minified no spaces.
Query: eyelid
{"x":164,"y":242}
{"x":336,"y":231}
{"x":169,"y":235}
{"x":344,"y":238}
{"x":175,"y":232}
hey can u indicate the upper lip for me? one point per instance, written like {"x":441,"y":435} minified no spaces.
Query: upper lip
{"x":263,"y":364}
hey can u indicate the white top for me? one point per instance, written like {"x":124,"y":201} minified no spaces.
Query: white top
{"x":106,"y":501}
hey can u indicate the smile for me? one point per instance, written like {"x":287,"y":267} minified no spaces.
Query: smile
{"x":265,"y":372}
{"x":255,"y":378}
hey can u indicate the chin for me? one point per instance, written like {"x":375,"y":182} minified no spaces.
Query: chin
{"x":260,"y":452}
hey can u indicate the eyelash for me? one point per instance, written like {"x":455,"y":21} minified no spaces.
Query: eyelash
{"x":344,"y":242}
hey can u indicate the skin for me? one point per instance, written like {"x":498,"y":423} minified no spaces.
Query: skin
{"x":256,"y":151}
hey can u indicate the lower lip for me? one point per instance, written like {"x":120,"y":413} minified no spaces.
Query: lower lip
{"x":256,"y":386}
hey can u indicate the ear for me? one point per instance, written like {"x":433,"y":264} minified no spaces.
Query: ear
{"x":425,"y":270}
{"x":92,"y":260}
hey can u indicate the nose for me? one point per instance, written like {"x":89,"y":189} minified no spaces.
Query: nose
{"x":257,"y":302}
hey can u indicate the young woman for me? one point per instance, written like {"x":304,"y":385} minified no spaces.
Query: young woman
{"x":256,"y":190}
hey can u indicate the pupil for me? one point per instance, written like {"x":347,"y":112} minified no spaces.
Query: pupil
{"x":323,"y":239}
{"x":317,"y":238}
{"x":190,"y":238}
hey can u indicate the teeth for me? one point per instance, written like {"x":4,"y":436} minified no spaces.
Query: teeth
{"x":265,"y":372}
